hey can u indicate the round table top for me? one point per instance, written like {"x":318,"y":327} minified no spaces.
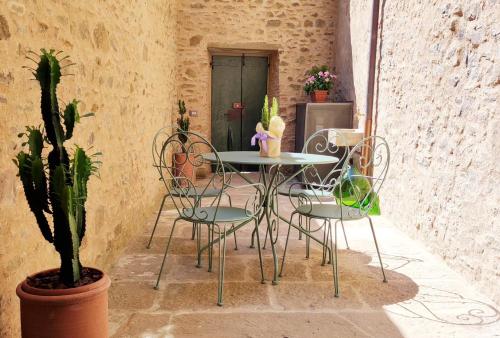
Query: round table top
{"x":253,"y":157}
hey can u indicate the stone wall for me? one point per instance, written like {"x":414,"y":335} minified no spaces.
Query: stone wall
{"x":437,"y":105}
{"x":125,"y":62}
{"x":302,"y":32}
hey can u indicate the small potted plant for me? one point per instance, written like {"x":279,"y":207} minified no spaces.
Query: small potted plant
{"x":183,"y":161}
{"x":72,"y":300}
{"x":318,"y":83}
{"x":269,"y":130}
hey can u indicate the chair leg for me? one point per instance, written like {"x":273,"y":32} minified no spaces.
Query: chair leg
{"x":222,"y":261}
{"x":265,"y":239}
{"x":232,"y":227}
{"x":334,"y":259}
{"x":235,"y":240}
{"x":308,"y":239}
{"x":198,"y":244}
{"x":157,"y":286}
{"x":286,"y":245}
{"x":193,"y":231}
{"x":300,"y":226}
{"x":345,"y":236}
{"x":260,"y":252}
{"x":328,"y":235}
{"x":325,"y":243}
{"x":210,"y":246}
{"x":156,"y":222}
{"x":378,"y":252}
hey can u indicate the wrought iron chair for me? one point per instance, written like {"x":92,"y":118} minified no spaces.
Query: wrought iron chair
{"x":353,"y":203}
{"x":324,"y":142}
{"x":216,"y":216}
{"x":160,"y":137}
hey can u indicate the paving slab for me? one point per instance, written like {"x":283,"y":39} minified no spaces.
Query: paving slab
{"x":249,"y":325}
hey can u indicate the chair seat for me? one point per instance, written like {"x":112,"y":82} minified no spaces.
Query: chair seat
{"x":295,"y":192}
{"x":224,"y":214}
{"x":329,"y":211}
{"x":193,"y":192}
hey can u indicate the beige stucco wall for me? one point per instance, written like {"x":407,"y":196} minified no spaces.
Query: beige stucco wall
{"x":438,"y":93}
{"x":301,"y":31}
{"x":125,"y":56}
{"x":352,"y":55}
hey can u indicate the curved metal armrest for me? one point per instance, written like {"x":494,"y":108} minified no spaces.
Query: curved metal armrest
{"x":302,"y":198}
{"x":313,"y":186}
{"x":248,"y":185}
{"x":256,"y":201}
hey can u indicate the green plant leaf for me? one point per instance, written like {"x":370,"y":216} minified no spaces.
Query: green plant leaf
{"x":33,"y":197}
{"x":35,"y":141}
{"x":81,"y":170}
{"x":71,"y":117}
{"x":48,"y":74}
{"x":265,"y":114}
{"x":40,"y":183}
{"x":274,"y":108}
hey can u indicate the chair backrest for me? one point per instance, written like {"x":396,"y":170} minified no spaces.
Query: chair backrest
{"x":160,"y":137}
{"x":181,"y":155}
{"x":364,"y":173}
{"x":325,"y":142}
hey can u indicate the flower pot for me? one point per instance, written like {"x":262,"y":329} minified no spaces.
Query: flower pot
{"x":184,"y":168}
{"x":319,"y":96}
{"x":273,"y":148}
{"x":80,"y":312}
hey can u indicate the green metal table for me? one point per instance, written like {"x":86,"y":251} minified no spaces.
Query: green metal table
{"x":269,"y":168}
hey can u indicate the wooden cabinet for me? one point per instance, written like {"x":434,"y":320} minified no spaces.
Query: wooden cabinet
{"x":315,"y":116}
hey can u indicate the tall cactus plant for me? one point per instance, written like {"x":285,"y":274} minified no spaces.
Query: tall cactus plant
{"x":268,"y":114}
{"x":182,"y":124}
{"x":63,"y":193}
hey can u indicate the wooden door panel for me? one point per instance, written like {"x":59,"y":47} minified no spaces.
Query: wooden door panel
{"x":226,"y":89}
{"x":254,"y":79}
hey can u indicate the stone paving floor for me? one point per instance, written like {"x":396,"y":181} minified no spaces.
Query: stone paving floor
{"x":423,"y":298}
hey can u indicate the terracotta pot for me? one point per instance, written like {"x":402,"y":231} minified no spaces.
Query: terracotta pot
{"x":319,"y":96}
{"x":184,"y":168}
{"x":80,"y":312}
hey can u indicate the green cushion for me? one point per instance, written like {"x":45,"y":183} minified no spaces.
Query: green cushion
{"x":308,"y":192}
{"x":331,"y":211}
{"x":209,"y":192}
{"x":224,"y":214}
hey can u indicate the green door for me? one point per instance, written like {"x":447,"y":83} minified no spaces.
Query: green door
{"x":237,"y":81}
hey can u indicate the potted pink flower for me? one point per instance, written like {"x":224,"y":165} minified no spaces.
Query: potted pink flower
{"x":318,"y":83}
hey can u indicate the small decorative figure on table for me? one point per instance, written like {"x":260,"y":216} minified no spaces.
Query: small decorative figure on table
{"x":269,"y":130}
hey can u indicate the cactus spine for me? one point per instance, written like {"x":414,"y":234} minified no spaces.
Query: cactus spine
{"x":64,"y":193}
